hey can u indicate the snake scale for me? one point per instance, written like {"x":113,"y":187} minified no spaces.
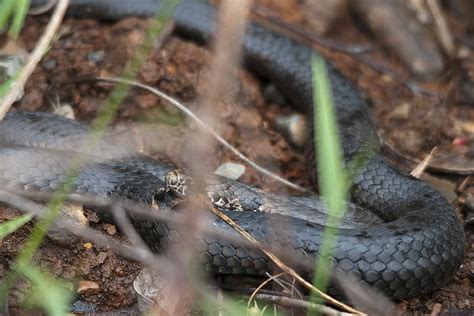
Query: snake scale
{"x":399,"y":235}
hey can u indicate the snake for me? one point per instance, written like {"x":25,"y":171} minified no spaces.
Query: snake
{"x":398,"y":235}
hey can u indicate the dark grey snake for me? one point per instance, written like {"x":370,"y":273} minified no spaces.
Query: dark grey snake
{"x":400,"y":236}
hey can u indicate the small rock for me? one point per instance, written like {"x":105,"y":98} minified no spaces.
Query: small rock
{"x":65,"y":110}
{"x":71,"y":213}
{"x":230,"y":170}
{"x":401,"y":112}
{"x":87,"y":287}
{"x":88,"y":245}
{"x":10,"y":65}
{"x":92,"y":216}
{"x":96,"y":57}
{"x":154,"y":290}
{"x":437,"y":307}
{"x":110,"y":229}
{"x":101,"y":257}
{"x":49,"y":64}
{"x":294,"y":127}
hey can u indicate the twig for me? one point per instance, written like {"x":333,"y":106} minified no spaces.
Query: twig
{"x":464,"y":184}
{"x":35,"y":57}
{"x":120,"y":217}
{"x":293,"y":30}
{"x":287,"y":286}
{"x":203,"y":125}
{"x":294,"y":302}
{"x":444,"y":34}
{"x":280,"y":263}
{"x":420,"y":168}
{"x":165,"y":33}
{"x":355,"y":52}
{"x":384,"y":70}
{"x":255,"y":292}
{"x":42,"y":8}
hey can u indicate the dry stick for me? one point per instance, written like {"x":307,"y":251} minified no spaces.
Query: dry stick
{"x":120,"y":216}
{"x":34,"y":57}
{"x":42,"y":9}
{"x":266,"y":18}
{"x":293,"y":302}
{"x":444,"y":34}
{"x":203,"y":125}
{"x":255,"y":292}
{"x":420,"y":168}
{"x":280,"y":263}
{"x":286,"y":286}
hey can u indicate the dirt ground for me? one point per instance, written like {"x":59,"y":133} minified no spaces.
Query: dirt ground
{"x":410,"y":124}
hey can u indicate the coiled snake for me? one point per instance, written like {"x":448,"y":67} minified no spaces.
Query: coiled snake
{"x":402,"y":237}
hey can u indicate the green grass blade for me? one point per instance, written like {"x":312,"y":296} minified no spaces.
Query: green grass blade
{"x":333,"y":182}
{"x":98,"y":128}
{"x":46,"y":291}
{"x":21,"y":9}
{"x":6,"y":10}
{"x":14,"y":224}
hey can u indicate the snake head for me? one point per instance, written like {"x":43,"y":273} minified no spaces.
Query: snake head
{"x":177,"y":182}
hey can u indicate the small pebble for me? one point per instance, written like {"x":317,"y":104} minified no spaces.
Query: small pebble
{"x":101,"y":257}
{"x":230,"y":170}
{"x":88,"y":245}
{"x":437,"y":307}
{"x":156,"y":290}
{"x":49,"y":64}
{"x":110,"y":229}
{"x":65,"y":110}
{"x":10,"y":65}
{"x":293,"y":127}
{"x":401,"y":112}
{"x":96,"y":57}
{"x":87,"y":287}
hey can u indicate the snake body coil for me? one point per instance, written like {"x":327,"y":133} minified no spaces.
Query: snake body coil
{"x":401,"y":236}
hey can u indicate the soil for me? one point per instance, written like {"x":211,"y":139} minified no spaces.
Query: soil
{"x":411,"y":123}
